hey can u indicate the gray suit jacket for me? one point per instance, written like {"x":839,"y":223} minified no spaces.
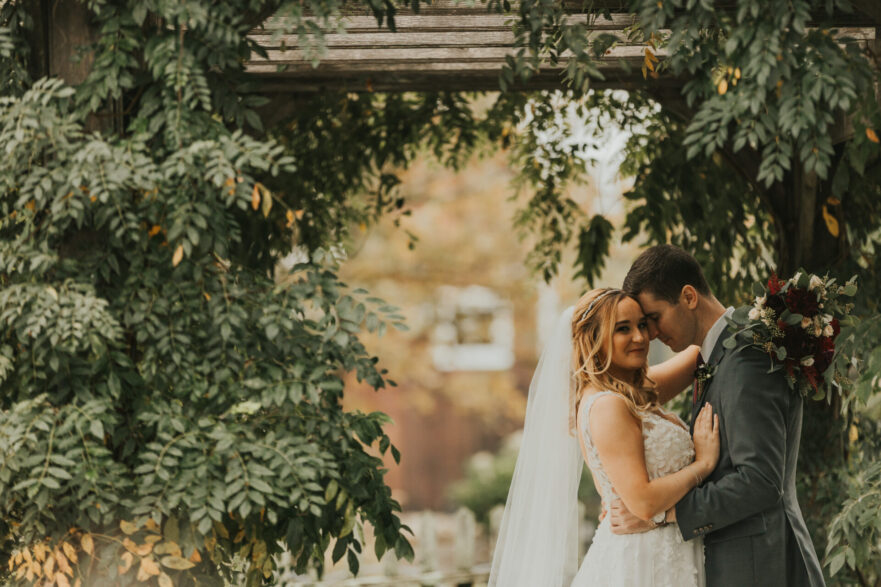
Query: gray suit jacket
{"x":747,"y":510}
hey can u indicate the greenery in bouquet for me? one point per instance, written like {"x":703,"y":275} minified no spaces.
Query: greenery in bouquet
{"x":796,"y":321}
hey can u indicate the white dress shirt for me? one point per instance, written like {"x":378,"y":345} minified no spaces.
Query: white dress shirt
{"x":714,"y":333}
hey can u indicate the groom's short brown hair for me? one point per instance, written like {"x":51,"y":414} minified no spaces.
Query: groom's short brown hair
{"x":663,"y":270}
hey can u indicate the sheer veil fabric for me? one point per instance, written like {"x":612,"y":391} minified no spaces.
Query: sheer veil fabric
{"x":538,"y":537}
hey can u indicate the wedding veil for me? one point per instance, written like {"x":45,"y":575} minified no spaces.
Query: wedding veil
{"x":538,"y":537}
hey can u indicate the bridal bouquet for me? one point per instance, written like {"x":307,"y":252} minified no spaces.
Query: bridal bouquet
{"x":796,"y":321}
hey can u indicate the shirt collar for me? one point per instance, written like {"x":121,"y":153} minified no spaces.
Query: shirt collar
{"x":714,"y":333}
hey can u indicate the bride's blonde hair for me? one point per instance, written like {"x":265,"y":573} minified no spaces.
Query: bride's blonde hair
{"x":593,"y":325}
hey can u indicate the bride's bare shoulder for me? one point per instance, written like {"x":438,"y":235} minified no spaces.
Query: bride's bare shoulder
{"x":609,"y":411}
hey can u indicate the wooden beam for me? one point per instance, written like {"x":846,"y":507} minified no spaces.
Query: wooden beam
{"x":448,"y":45}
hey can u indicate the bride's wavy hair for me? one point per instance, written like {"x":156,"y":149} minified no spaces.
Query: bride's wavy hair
{"x":593,"y":326}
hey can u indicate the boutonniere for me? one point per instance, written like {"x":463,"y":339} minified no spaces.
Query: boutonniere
{"x":704,"y":373}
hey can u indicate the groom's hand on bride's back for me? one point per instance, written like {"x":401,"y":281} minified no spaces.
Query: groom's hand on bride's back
{"x":623,"y":522}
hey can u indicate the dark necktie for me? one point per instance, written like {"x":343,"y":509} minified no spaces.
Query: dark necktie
{"x":694,"y":388}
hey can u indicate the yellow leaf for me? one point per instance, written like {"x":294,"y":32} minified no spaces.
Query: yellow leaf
{"x":151,"y":525}
{"x":62,"y":581}
{"x":49,"y":567}
{"x":267,"y":199}
{"x":153,"y":539}
{"x":239,"y":537}
{"x":31,"y":205}
{"x":870,"y":134}
{"x":722,"y":87}
{"x":831,"y":222}
{"x":299,"y":214}
{"x":165,"y":581}
{"x":195,"y":557}
{"x":63,"y":565}
{"x":41,"y":550}
{"x":153,"y":232}
{"x":78,"y":583}
{"x":255,"y":197}
{"x":127,"y":527}
{"x":127,"y":559}
{"x":177,"y":563}
{"x":210,"y":543}
{"x":832,"y":201}
{"x":178,"y":256}
{"x":736,"y":73}
{"x":87,"y":543}
{"x":207,"y":296}
{"x":167,"y":548}
{"x":70,"y":551}
{"x":148,"y":569}
{"x":93,"y":199}
{"x":290,"y":216}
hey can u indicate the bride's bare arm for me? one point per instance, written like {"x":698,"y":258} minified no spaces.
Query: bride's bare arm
{"x":675,"y":374}
{"x":618,"y":439}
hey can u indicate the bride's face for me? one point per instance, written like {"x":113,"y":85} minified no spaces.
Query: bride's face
{"x":630,"y":340}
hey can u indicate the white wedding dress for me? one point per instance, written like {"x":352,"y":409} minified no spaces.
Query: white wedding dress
{"x":659,"y":557}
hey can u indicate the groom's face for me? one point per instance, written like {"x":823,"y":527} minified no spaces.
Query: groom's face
{"x":673,"y":324}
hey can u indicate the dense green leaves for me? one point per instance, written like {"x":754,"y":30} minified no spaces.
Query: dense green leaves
{"x":152,"y":365}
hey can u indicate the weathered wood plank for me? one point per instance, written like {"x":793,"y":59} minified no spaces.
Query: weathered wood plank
{"x":444,"y":47}
{"x":439,"y":21}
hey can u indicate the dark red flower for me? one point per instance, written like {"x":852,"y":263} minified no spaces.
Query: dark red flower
{"x":836,"y":328}
{"x":797,"y":342}
{"x":774,"y":284}
{"x":777,"y":304}
{"x":811,"y":374}
{"x":802,"y":301}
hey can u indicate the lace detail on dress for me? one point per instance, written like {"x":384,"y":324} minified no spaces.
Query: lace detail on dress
{"x":660,"y":557}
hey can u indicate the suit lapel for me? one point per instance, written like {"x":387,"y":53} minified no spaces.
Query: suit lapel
{"x":715,"y":358}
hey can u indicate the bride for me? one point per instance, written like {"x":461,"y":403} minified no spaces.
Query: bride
{"x":594,"y":397}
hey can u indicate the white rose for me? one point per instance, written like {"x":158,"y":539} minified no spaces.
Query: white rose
{"x":755,"y":314}
{"x":827,"y":318}
{"x":828,"y":331}
{"x":807,"y":361}
{"x":815,"y":283}
{"x":806,"y":323}
{"x":761,"y":301}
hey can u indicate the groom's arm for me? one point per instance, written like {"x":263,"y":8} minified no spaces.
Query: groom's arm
{"x":754,"y":407}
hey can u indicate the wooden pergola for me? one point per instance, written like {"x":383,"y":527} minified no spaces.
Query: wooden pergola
{"x":460,"y":46}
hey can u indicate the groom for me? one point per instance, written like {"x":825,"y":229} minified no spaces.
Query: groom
{"x":747,"y":510}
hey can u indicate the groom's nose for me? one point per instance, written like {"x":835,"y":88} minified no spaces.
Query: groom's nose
{"x":652,"y":329}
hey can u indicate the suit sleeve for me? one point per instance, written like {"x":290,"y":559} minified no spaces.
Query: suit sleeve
{"x":753,"y":413}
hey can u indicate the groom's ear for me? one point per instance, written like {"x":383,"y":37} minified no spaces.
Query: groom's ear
{"x":689,"y":295}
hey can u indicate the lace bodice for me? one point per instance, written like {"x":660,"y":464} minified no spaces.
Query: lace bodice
{"x":659,"y":558}
{"x":668,"y":447}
